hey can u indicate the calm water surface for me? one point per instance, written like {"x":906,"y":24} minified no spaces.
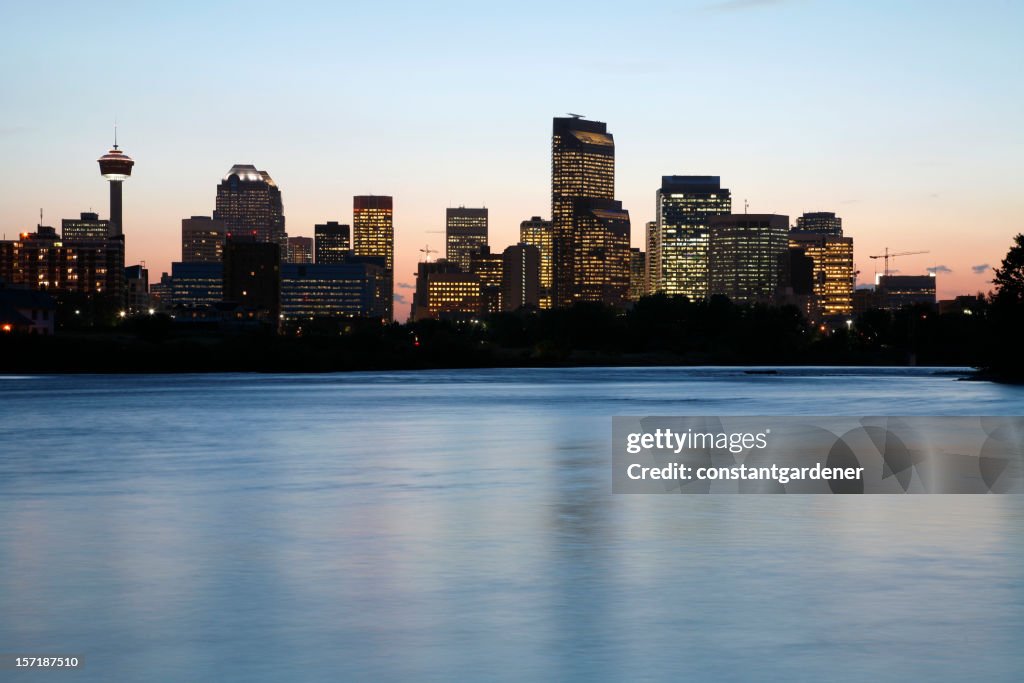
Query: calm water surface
{"x":459,"y":525}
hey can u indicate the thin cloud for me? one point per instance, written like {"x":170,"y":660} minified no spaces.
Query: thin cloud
{"x":940,"y":269}
{"x":981,"y":268}
{"x":400,"y":299}
{"x":405,"y":285}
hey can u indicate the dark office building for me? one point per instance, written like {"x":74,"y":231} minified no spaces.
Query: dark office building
{"x":202,"y":239}
{"x":520,"y":277}
{"x":897,"y":291}
{"x":195,"y":284}
{"x":821,"y":223}
{"x":590,"y":258}
{"x":252,"y":276}
{"x":330,"y":290}
{"x":332,"y":242}
{"x":137,"y":289}
{"x":249,"y":203}
{"x":748,"y":256}
{"x":465,"y":234}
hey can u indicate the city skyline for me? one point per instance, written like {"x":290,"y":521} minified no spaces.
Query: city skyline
{"x":907,"y":156}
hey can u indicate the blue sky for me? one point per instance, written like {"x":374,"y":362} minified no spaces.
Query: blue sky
{"x":903,"y":117}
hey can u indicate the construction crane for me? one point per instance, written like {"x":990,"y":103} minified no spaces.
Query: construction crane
{"x":886,"y":256}
{"x":427,"y":251}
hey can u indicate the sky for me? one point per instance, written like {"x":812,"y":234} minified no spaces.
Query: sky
{"x":902,"y":117}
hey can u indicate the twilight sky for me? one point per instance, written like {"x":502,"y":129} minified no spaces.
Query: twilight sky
{"x":902,"y":117}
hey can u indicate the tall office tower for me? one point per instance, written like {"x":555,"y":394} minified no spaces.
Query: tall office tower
{"x":465,"y":234}
{"x":520,"y":277}
{"x":249,"y":202}
{"x":300,"y":250}
{"x":637,"y":274}
{"x":116,"y":167}
{"x":88,"y":226}
{"x":488,"y":267}
{"x":373,"y":234}
{"x":685,"y":204}
{"x":202,"y":239}
{"x":590,"y":261}
{"x":252,"y":276}
{"x":748,"y":255}
{"x":820,"y":222}
{"x":652,"y":245}
{"x":601,"y":251}
{"x":832,"y":276}
{"x":333,"y":242}
{"x":537,"y":232}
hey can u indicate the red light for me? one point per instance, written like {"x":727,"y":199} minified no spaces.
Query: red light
{"x":7,"y":327}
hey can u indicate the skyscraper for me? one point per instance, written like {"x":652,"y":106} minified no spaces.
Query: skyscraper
{"x":590,"y":229}
{"x":465,"y":234}
{"x":373,"y":234}
{"x":116,"y":167}
{"x":748,"y":255}
{"x":249,"y":202}
{"x":538,"y":232}
{"x":300,"y":250}
{"x":652,"y":266}
{"x":637,"y":276}
{"x":832,"y":272}
{"x":202,"y":239}
{"x":520,"y":277}
{"x":488,"y":267}
{"x":685,"y":205}
{"x":332,"y":242}
{"x":820,"y":222}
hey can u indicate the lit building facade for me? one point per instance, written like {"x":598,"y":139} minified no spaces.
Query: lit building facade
{"x":488,"y":267}
{"x":332,"y":242}
{"x":300,"y":250}
{"x":832,"y":275}
{"x":202,"y":239}
{"x":685,"y":205}
{"x":520,"y":277}
{"x":748,"y":256}
{"x":373,"y":234}
{"x":465,"y":234}
{"x":249,"y":202}
{"x":92,"y":267}
{"x":443,"y":291}
{"x":590,"y":261}
{"x":538,"y":232}
{"x":88,"y":226}
{"x":637,"y":274}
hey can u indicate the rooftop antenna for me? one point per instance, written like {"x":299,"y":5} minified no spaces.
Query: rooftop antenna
{"x":115,"y":132}
{"x":427,"y":251}
{"x":40,"y":216}
{"x":746,"y":205}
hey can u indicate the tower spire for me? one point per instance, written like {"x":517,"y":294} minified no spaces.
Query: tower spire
{"x":115,"y":133}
